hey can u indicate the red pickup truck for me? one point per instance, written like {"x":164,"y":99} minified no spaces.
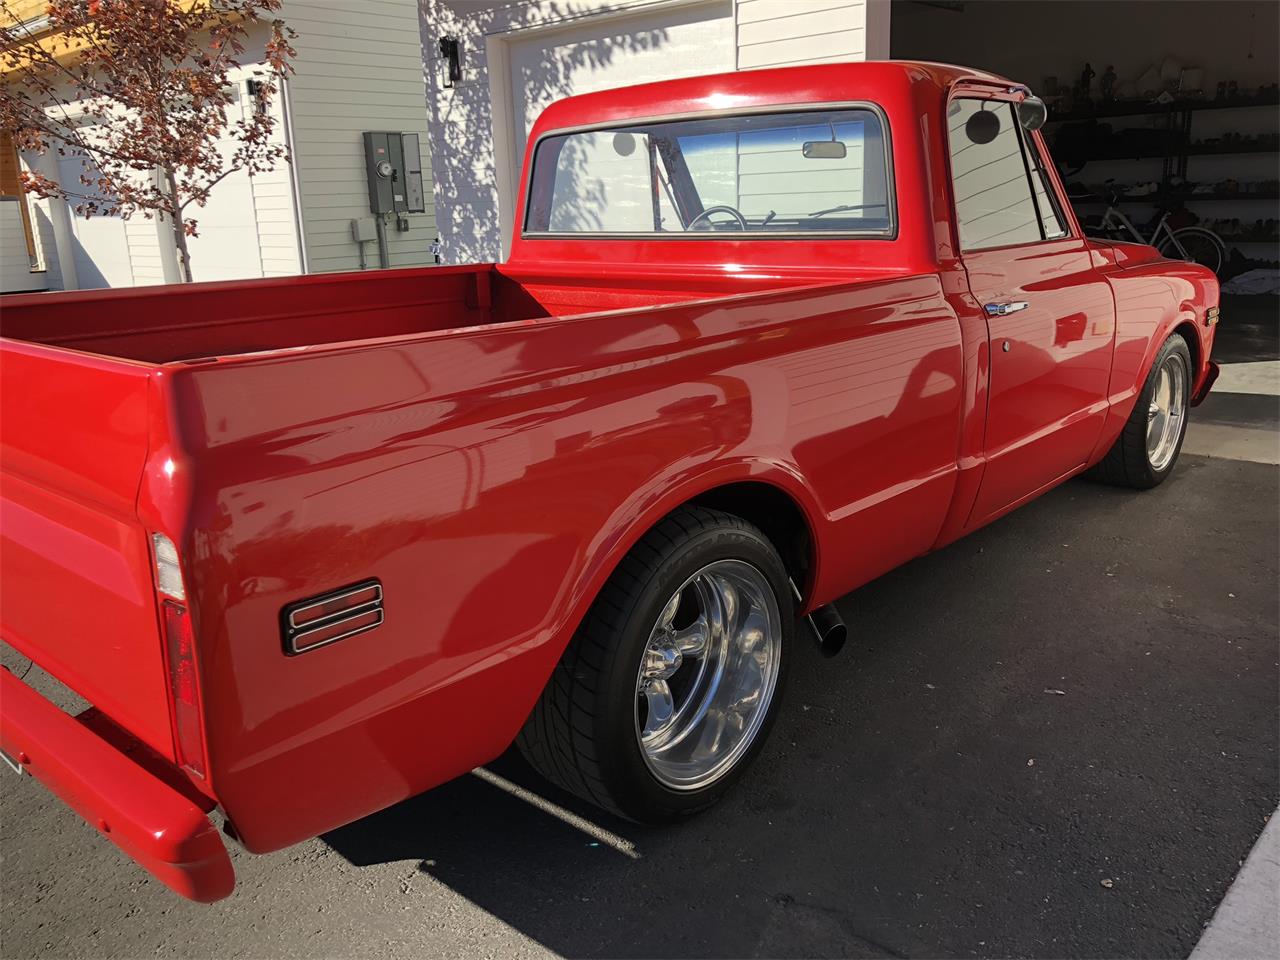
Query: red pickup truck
{"x":310,"y":546}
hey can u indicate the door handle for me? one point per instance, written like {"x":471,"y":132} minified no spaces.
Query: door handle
{"x":1004,"y":309}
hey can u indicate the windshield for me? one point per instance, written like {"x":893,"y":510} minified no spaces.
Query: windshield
{"x":812,"y":172}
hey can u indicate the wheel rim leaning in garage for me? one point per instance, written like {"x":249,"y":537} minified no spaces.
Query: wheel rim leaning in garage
{"x":1166,"y":412}
{"x":708,"y":674}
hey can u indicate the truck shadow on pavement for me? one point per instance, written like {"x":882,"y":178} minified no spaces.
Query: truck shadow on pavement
{"x":1082,"y":692}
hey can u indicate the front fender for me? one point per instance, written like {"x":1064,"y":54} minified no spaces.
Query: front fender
{"x":1154,"y":299}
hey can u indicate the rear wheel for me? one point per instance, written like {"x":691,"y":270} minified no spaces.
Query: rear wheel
{"x":1148,"y":447}
{"x":669,"y":688}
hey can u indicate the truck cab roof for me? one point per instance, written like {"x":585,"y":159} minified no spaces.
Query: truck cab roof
{"x":899,"y":91}
{"x":750,"y":89}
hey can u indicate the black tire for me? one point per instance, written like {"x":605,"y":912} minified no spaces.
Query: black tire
{"x":1127,"y":463}
{"x":582,"y":734}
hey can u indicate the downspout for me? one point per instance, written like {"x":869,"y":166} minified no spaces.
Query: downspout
{"x":294,"y":187}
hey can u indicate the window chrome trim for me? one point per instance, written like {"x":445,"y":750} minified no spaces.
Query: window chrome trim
{"x":891,"y":195}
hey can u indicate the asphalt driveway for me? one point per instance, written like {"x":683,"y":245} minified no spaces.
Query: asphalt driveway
{"x":1058,"y":737}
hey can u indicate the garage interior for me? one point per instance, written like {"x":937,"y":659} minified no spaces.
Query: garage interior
{"x":1165,"y":107}
{"x":1161,"y":110}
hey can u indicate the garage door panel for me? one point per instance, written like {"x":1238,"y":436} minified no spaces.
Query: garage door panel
{"x":616,"y":52}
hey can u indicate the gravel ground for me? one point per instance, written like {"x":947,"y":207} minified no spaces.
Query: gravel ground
{"x":1055,"y":738}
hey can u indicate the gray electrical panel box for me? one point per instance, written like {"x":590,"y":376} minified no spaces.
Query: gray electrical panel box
{"x":364,"y":230}
{"x":393,"y":163}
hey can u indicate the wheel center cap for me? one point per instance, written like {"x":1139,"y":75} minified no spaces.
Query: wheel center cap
{"x":662,"y":662}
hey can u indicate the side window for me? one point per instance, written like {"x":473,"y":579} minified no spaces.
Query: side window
{"x":994,"y":203}
{"x":1050,"y":217}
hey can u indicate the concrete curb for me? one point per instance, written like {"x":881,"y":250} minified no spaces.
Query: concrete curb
{"x":1247,"y":922}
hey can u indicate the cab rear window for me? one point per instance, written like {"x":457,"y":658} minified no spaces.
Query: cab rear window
{"x":770,"y":174}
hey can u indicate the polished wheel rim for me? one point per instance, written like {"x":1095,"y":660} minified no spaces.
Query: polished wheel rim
{"x":708,"y":674}
{"x":1166,"y":412}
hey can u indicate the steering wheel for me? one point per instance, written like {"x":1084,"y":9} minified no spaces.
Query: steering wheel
{"x":721,"y":208}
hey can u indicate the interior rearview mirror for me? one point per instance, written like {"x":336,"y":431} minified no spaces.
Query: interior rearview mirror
{"x":825,"y":149}
{"x":1032,"y":113}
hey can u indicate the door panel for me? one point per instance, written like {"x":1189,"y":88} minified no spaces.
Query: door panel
{"x":228,"y":246}
{"x":1050,"y":317}
{"x":1050,"y":364}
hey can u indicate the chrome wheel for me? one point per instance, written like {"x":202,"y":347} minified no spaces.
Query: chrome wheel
{"x":1165,"y":413}
{"x":708,"y":674}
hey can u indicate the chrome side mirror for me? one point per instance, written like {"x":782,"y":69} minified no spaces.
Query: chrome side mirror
{"x":1032,"y":113}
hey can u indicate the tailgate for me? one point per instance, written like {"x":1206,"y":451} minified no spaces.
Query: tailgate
{"x":76,"y":590}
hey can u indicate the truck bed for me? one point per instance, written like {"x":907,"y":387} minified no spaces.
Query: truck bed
{"x":208,"y":320}
{"x":472,"y":425}
{"x":93,"y":423}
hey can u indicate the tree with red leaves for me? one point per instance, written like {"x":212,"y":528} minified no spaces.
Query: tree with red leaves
{"x":141,"y":91}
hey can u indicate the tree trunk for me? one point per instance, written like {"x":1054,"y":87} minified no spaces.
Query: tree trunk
{"x":180,"y":240}
{"x":179,"y":231}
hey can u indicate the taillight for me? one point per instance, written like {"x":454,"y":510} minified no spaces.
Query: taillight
{"x":180,"y":652}
{"x":168,"y":572}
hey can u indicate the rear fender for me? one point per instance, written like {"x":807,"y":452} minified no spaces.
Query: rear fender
{"x":638,"y":515}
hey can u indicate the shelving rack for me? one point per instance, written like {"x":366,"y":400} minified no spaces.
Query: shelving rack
{"x":1178,"y":148}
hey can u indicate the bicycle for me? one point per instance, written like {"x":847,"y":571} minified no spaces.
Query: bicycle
{"x":1193,"y":244}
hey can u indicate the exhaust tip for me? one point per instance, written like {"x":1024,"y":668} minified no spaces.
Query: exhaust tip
{"x":828,"y":626}
{"x":829,"y":630}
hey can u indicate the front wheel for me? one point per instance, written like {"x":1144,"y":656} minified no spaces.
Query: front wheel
{"x":670,"y":686}
{"x":1195,"y":245}
{"x":1148,"y":446}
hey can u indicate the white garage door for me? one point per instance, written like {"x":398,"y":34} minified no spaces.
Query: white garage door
{"x":607,"y":52}
{"x":617,"y":52}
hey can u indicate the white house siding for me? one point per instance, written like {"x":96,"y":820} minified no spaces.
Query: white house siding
{"x":478,"y":155}
{"x":358,"y":67}
{"x":247,"y":229}
{"x":16,"y":273}
{"x":144,"y":251}
{"x":278,"y":248}
{"x":776,"y":33}
{"x":42,"y":213}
